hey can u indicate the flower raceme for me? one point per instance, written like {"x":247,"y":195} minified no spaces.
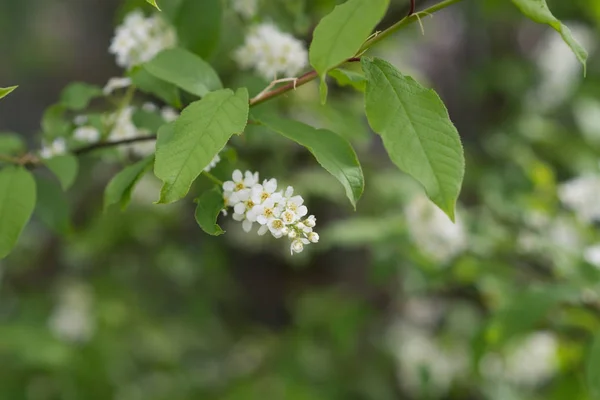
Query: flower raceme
{"x":279,"y":212}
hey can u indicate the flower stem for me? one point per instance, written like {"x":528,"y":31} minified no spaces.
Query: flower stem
{"x":212,"y":178}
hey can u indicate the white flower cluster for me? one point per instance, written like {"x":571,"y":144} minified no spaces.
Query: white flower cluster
{"x":115,"y":84}
{"x":72,"y":318}
{"x":271,"y":52}
{"x":56,"y":148}
{"x":246,"y":8}
{"x":581,"y":196}
{"x":139,"y":39}
{"x":530,"y":362}
{"x":433,"y":231}
{"x":280,"y":213}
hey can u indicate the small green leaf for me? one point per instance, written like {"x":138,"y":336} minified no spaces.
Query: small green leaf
{"x":340,"y":34}
{"x":52,"y":206}
{"x":17,"y":201}
{"x":11,"y":144}
{"x":148,"y":83}
{"x":147,"y":120}
{"x":593,"y":368}
{"x":6,"y":91}
{"x":185,"y":70}
{"x":538,"y":11}
{"x":198,"y":25}
{"x":153,"y":2}
{"x":201,"y":131}
{"x":331,"y":150}
{"x":54,"y":121}
{"x":119,"y":189}
{"x":345,"y":77}
{"x":65,"y":168}
{"x":416,"y":130}
{"x":209,"y":205}
{"x":78,"y":95}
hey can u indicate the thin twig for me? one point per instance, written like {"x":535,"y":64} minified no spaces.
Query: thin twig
{"x":100,"y":145}
{"x":411,"y":11}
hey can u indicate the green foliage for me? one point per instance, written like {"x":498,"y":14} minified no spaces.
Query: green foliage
{"x":52,"y":206}
{"x":65,"y":168}
{"x":198,"y":25}
{"x":77,"y":95}
{"x":345,"y":77}
{"x":593,"y":369}
{"x":201,"y":131}
{"x":118,"y":190}
{"x":17,"y":200}
{"x":153,"y":3}
{"x":208,"y":207}
{"x":148,"y":83}
{"x":332,"y":151}
{"x":185,"y":70}
{"x":539,"y":12}
{"x":416,"y":130}
{"x":6,"y":91}
{"x":11,"y":144}
{"x":340,"y":34}
{"x":54,"y":121}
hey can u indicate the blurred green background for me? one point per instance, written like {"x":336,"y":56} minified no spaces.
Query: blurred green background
{"x":394,"y":302}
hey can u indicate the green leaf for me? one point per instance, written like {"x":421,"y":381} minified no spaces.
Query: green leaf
{"x":593,"y":368}
{"x":538,"y":11}
{"x":54,"y":122}
{"x":198,"y":25}
{"x":11,"y":144}
{"x":185,"y":70}
{"x":153,"y":2}
{"x":416,"y":130}
{"x":146,"y":82}
{"x":52,"y":206}
{"x":119,"y":189}
{"x":78,"y":95}
{"x":345,"y":77}
{"x":148,"y":120}
{"x":209,"y":205}
{"x":201,"y":131}
{"x":331,"y":150}
{"x":6,"y":91}
{"x":65,"y":168}
{"x":340,"y":34}
{"x":17,"y":200}
{"x":524,"y":311}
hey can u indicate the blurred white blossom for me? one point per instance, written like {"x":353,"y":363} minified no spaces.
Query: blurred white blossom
{"x":433,"y":232}
{"x":123,"y":128}
{"x":271,"y":52}
{"x":560,"y":70}
{"x":87,"y":134}
{"x":529,"y":362}
{"x":56,"y":148}
{"x":424,"y":366}
{"x":246,"y":8}
{"x":138,"y":39}
{"x":592,"y":255}
{"x":213,"y":163}
{"x":116,"y":83}
{"x":581,"y":196}
{"x":72,"y":319}
{"x":169,"y":114}
{"x":277,"y":212}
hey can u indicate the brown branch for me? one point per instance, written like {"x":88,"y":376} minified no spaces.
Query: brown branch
{"x":411,"y":11}
{"x":100,"y":145}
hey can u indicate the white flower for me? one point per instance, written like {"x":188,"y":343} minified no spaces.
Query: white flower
{"x":246,"y":8}
{"x":261,"y":193}
{"x":169,"y":114}
{"x":313,"y":237}
{"x":87,"y":134}
{"x":56,"y":148}
{"x":271,"y":52}
{"x":213,"y":163}
{"x":311,"y":221}
{"x":277,"y":228}
{"x":294,"y":203}
{"x":592,"y":255}
{"x":138,"y":39}
{"x":149,"y":107}
{"x":71,"y":319}
{"x":298,"y":245}
{"x":265,"y":212}
{"x":80,"y":120}
{"x":116,"y":83}
{"x":432,"y":230}
{"x":581,"y":196}
{"x":124,"y":128}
